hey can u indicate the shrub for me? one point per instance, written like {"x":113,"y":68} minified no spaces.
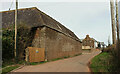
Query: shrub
{"x":115,"y":60}
{"x":7,"y":44}
{"x":109,"y":48}
{"x":24,"y":39}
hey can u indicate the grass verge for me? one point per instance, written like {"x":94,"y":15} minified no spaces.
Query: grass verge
{"x":36,"y":63}
{"x":66,"y":57}
{"x":8,"y":69}
{"x":100,"y":63}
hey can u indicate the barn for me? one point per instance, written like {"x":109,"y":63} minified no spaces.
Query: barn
{"x":56,"y":39}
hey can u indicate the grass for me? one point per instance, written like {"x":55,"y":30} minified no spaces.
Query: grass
{"x":36,"y":63}
{"x":10,"y":62}
{"x":66,"y":57}
{"x":10,"y":65}
{"x":100,"y":63}
{"x":56,"y":59}
{"x":78,"y":54}
{"x":7,"y":63}
{"x":8,"y":69}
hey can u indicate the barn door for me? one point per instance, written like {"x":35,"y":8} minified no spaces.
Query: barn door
{"x":36,"y":54}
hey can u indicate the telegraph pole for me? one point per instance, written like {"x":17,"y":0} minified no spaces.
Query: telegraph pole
{"x":117,"y":26}
{"x":15,"y":52}
{"x":113,"y":22}
{"x":117,"y":22}
{"x":109,"y":40}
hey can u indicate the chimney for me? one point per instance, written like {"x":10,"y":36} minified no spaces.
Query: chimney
{"x":87,"y":36}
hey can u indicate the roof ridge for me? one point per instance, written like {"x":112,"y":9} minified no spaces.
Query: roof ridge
{"x":19,"y":9}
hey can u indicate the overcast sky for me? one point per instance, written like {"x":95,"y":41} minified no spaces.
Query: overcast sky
{"x":80,"y":16}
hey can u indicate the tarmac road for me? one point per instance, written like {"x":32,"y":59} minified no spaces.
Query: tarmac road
{"x":73,"y":64}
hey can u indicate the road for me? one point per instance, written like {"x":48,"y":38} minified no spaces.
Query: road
{"x":73,"y":64}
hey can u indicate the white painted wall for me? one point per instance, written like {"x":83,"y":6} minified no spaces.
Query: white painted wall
{"x":86,"y":47}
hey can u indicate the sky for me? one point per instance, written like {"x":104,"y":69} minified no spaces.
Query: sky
{"x":83,"y":17}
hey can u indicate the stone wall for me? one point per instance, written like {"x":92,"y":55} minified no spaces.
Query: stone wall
{"x":39,"y":38}
{"x":58,"y":45}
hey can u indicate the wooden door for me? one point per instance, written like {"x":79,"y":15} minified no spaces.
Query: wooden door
{"x":36,"y":54}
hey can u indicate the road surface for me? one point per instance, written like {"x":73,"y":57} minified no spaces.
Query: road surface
{"x":73,"y":64}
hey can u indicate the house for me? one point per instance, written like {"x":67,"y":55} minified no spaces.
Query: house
{"x":56,"y":39}
{"x":89,"y":43}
